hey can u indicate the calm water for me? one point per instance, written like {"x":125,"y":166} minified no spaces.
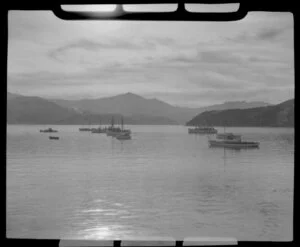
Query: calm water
{"x":163,"y":182}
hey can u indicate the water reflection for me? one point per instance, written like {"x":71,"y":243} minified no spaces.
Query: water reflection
{"x":104,"y":232}
{"x":163,"y":182}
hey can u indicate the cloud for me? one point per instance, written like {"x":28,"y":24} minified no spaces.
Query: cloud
{"x":92,"y":46}
{"x":270,"y":33}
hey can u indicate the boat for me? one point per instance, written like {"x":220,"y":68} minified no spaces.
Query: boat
{"x":49,"y":130}
{"x":202,"y":130}
{"x":114,"y":131}
{"x":124,"y":134}
{"x":53,"y":137}
{"x":99,"y":130}
{"x":85,"y":129}
{"x":231,"y":140}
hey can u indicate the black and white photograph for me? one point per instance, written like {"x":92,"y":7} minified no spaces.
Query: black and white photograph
{"x":123,"y":129}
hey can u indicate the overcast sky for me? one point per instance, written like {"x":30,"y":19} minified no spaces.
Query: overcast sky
{"x":183,"y":63}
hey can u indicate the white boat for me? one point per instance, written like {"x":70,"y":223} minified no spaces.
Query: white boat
{"x":124,"y":134}
{"x":114,"y":131}
{"x":202,"y":130}
{"x":231,"y":140}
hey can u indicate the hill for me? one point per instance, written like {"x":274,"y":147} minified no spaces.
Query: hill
{"x":281,"y":115}
{"x":36,"y":110}
{"x":130,"y":104}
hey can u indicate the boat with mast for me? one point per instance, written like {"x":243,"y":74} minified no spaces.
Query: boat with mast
{"x":112,"y":130}
{"x":125,"y":134}
{"x":99,"y":130}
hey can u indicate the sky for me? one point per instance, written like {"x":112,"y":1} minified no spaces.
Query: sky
{"x":191,"y":64}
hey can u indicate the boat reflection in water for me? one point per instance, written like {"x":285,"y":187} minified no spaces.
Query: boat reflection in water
{"x":230,"y":140}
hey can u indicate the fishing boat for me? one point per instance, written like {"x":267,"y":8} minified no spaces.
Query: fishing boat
{"x":231,"y":140}
{"x":112,"y":130}
{"x":53,"y":137}
{"x":124,"y":134}
{"x":49,"y":130}
{"x":98,"y":130}
{"x":202,"y":130}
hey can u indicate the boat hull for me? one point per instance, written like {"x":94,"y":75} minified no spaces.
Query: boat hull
{"x":98,"y":131}
{"x":53,"y":137}
{"x":202,"y":132}
{"x":84,"y":129}
{"x":213,"y":143}
{"x":121,"y":137}
{"x":116,"y":133}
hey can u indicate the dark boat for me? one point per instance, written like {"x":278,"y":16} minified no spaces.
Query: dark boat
{"x":202,"y":130}
{"x":53,"y":137}
{"x":85,"y":129}
{"x":98,"y":130}
{"x":49,"y":130}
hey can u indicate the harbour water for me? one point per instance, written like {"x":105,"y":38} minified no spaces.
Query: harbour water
{"x":163,"y":182}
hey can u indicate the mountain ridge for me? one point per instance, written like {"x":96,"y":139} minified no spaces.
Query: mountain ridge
{"x":280,"y":115}
{"x":131,"y":104}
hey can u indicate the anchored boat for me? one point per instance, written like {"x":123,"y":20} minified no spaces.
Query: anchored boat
{"x":202,"y":130}
{"x":231,"y":140}
{"x":53,"y":137}
{"x":124,"y":134}
{"x":99,"y":130}
{"x":114,"y":131}
{"x":85,"y":128}
{"x":49,"y":130}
